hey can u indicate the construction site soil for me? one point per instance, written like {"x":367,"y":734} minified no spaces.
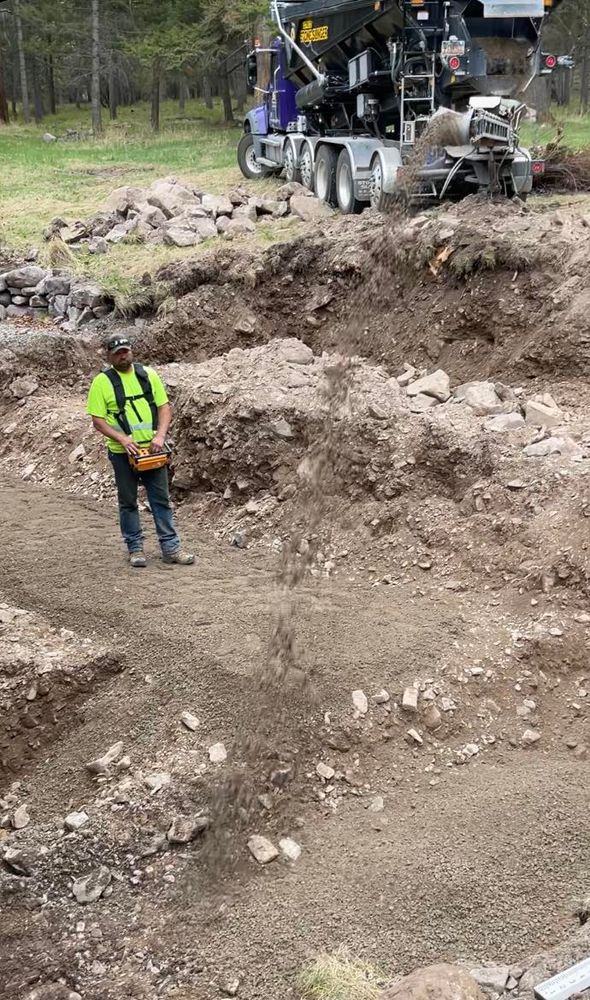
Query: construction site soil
{"x":379,"y":662}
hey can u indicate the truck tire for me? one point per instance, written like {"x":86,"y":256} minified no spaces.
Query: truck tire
{"x":347,"y":203}
{"x":247,"y":159}
{"x":292,"y":172}
{"x":306,"y":166}
{"x":379,"y":199}
{"x":325,"y":174}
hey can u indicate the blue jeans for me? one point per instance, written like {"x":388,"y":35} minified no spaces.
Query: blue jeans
{"x":156,"y":486}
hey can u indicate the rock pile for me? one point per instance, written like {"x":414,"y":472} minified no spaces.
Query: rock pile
{"x":182,"y":215}
{"x":37,"y":292}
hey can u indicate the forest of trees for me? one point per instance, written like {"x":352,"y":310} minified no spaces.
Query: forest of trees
{"x":115,"y":52}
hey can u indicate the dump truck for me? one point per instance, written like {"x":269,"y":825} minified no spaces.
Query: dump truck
{"x":362,"y":101}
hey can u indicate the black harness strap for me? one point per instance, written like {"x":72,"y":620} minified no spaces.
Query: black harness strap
{"x":122,"y":400}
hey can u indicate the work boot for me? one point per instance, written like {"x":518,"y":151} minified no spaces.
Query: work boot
{"x":179,"y":557}
{"x":137,"y":560}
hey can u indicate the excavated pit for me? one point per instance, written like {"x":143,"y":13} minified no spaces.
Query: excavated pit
{"x":432,"y":552}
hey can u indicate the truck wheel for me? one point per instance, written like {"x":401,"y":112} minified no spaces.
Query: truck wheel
{"x":292,"y":173}
{"x":347,"y":203}
{"x":325,"y":174}
{"x":247,"y":161}
{"x":306,"y":167}
{"x":379,"y":199}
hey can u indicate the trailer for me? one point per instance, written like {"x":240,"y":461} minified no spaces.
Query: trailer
{"x":361,"y":100}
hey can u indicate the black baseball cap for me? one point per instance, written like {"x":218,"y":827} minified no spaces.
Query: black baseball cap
{"x":118,"y":343}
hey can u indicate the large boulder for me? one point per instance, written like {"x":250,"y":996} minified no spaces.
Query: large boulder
{"x":86,"y":294}
{"x":124,"y":199}
{"x":217,"y":205}
{"x":436,"y":982}
{"x":310,"y":209}
{"x":171,"y":197}
{"x":23,"y":277}
{"x":181,"y":236}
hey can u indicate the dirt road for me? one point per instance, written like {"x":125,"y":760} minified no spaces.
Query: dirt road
{"x":480,"y":860}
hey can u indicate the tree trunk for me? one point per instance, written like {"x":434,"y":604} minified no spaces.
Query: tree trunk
{"x":37,"y":100}
{"x":207,"y":93}
{"x":24,"y":87}
{"x":4,"y":116}
{"x":182,"y":93}
{"x":51,"y":85}
{"x":113,"y":93}
{"x":156,"y":80}
{"x":585,"y":81}
{"x":228,"y":115}
{"x":240,"y":89}
{"x":95,"y":80}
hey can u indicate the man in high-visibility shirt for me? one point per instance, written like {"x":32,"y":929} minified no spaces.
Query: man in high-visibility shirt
{"x":129,"y":406}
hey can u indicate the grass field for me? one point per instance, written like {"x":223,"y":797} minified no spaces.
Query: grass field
{"x":72,"y":179}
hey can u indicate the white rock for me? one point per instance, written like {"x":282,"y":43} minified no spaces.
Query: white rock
{"x":377,"y":804}
{"x":21,"y":818}
{"x":382,"y":697}
{"x":503,"y":423}
{"x":530,"y":737}
{"x":217,"y":753}
{"x":295,"y":351}
{"x":410,"y":699}
{"x":49,"y":137}
{"x":540,"y":415}
{"x":325,"y":771}
{"x":310,"y":209}
{"x":481,"y":397}
{"x":102,"y":764}
{"x":541,"y":449}
{"x":91,"y":887}
{"x":217,"y":204}
{"x":290,"y":849}
{"x":415,"y":737}
{"x":76,"y":820}
{"x":437,"y":385}
{"x":190,"y":721}
{"x":406,"y":377}
{"x":359,"y":700}
{"x":262,"y":850}
{"x":421,"y":403}
{"x":155,"y":782}
{"x":491,"y":977}
{"x":77,"y":454}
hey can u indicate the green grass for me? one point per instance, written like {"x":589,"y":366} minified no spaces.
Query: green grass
{"x":337,"y":976}
{"x":72,"y":179}
{"x":576,"y":129}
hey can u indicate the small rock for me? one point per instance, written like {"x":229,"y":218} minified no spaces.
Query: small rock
{"x":76,"y":820}
{"x":77,"y":454}
{"x":491,"y":977}
{"x":470,"y":750}
{"x":480,"y":397}
{"x":436,"y":385}
{"x":381,"y":697}
{"x":183,"y":829}
{"x":530,"y":737}
{"x":23,"y":386}
{"x":217,"y":753}
{"x":583,"y":618}
{"x":102,"y":764}
{"x":230,"y":988}
{"x":97,"y":245}
{"x":406,"y":377}
{"x":290,"y":849}
{"x":21,"y":818}
{"x":432,"y":717}
{"x":359,"y":700}
{"x":503,"y":423}
{"x":190,"y":721}
{"x":282,"y":429}
{"x":410,"y":699}
{"x":91,"y":887}
{"x":325,"y":771}
{"x":17,"y":861}
{"x":155,"y":782}
{"x":414,"y":736}
{"x":49,"y":137}
{"x":377,"y":411}
{"x":262,"y":850}
{"x":377,"y":804}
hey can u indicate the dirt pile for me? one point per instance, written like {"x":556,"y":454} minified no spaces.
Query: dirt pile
{"x":478,"y":289}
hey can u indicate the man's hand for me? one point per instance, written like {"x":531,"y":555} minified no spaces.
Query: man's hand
{"x":157,"y":444}
{"x":129,"y":445}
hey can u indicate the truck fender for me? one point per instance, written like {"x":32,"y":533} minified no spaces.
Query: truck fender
{"x":391,"y":162}
{"x":256,"y":121}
